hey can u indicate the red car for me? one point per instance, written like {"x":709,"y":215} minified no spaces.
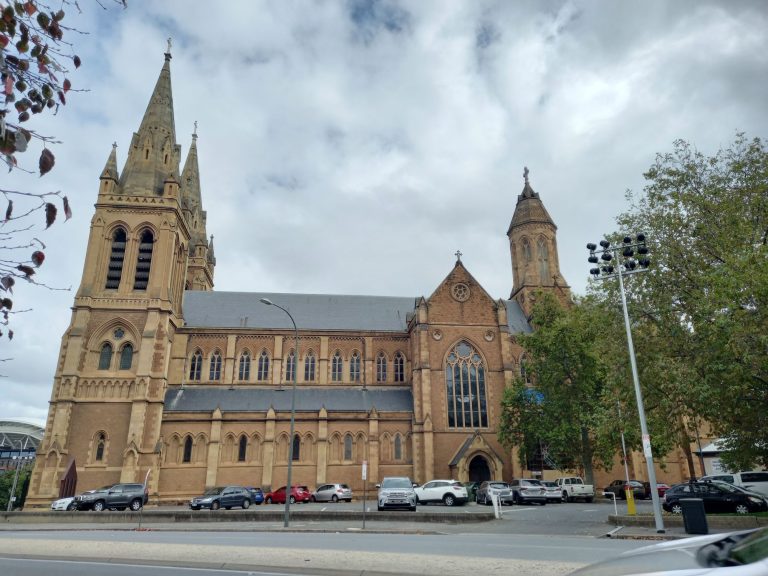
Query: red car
{"x":298,"y":494}
{"x":660,"y":486}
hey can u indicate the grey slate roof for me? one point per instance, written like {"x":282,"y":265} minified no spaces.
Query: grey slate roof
{"x":208,"y":398}
{"x":312,"y":311}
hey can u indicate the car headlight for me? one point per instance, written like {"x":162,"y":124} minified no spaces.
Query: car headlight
{"x":755,"y":500}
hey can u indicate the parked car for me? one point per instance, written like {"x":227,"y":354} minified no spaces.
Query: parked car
{"x":552,"y":492}
{"x":494,"y":488}
{"x":449,"y":492}
{"x":331,"y":493}
{"x":222,"y":497}
{"x":573,"y":488}
{"x":114,"y":496}
{"x":66,"y":504}
{"x":525,"y":490}
{"x":620,"y":487}
{"x":754,"y":480}
{"x":257,"y":495}
{"x":716,"y":498}
{"x":661,"y":488}
{"x":736,"y":553}
{"x":298,"y":494}
{"x":731,"y":488}
{"x":396,"y":492}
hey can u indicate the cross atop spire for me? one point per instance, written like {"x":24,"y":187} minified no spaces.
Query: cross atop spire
{"x":458,"y":255}
{"x":525,"y":173}
{"x":194,"y":132}
{"x":168,"y":50}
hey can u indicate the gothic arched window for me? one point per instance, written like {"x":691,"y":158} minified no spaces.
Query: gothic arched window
{"x":526,"y":250}
{"x":187,"y":450}
{"x":116,"y":257}
{"x":215,"y":367}
{"x":465,"y":387}
{"x":354,"y":367}
{"x":398,"y":447}
{"x":290,"y":366}
{"x":126,"y":357}
{"x":381,"y":367}
{"x":244,"y":370}
{"x":144,"y":260}
{"x":309,"y":367}
{"x":105,"y":356}
{"x":348,"y":447}
{"x":196,"y":366}
{"x":542,"y":253}
{"x":242,"y":448}
{"x":296,"y":448}
{"x":101,"y":441}
{"x":399,"y":367}
{"x":337,"y":367}
{"x":263,"y":370}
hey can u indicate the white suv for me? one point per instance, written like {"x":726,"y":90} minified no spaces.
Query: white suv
{"x":449,"y":492}
{"x":396,"y":492}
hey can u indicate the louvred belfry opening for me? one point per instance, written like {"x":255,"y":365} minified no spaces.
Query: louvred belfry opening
{"x":144,"y":261}
{"x":116,"y":257}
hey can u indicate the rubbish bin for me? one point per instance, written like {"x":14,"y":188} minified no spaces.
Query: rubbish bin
{"x":694,"y":517}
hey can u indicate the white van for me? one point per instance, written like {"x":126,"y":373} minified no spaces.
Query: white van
{"x":755,"y":480}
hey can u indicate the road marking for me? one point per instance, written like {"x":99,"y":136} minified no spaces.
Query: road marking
{"x":324,"y":508}
{"x":590,"y":510}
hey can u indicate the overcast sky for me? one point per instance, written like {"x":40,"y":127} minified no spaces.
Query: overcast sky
{"x":351,"y":147}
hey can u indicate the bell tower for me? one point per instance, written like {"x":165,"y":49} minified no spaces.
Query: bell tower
{"x":533,"y":247}
{"x":113,"y":364}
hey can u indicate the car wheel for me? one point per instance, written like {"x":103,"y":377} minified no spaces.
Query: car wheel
{"x":449,"y":500}
{"x":71,"y":506}
{"x":412,"y":508}
{"x":676,"y":508}
{"x":379,"y":508}
{"x":565,"y":496}
{"x":246,"y":504}
{"x":334,"y":498}
{"x":312,"y":499}
{"x":215,"y":505}
{"x":135,"y":505}
{"x":742,"y":509}
{"x":268,"y":500}
{"x":293,"y":500}
{"x":98,"y":506}
{"x":589,"y":499}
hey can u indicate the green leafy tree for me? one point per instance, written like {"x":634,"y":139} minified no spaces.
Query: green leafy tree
{"x":701,"y":309}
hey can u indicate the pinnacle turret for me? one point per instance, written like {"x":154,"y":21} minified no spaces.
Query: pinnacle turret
{"x":110,"y":168}
{"x":190,"y":178}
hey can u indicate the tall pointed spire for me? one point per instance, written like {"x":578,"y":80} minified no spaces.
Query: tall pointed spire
{"x":153,"y":154}
{"x":190,"y":177}
{"x":110,"y":168}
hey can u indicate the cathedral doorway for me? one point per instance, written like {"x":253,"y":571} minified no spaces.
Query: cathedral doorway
{"x":479,"y":471}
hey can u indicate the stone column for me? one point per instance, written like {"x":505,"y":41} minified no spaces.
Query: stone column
{"x":268,"y":451}
{"x":373,"y":446}
{"x":213,"y":449}
{"x":322,"y":446}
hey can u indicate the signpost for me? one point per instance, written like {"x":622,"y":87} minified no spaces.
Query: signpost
{"x":365,"y":483}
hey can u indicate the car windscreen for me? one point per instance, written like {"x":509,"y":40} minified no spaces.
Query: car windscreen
{"x":550,"y":484}
{"x":213,"y":491}
{"x":499,"y":485}
{"x":396,"y":483}
{"x":530,"y":482}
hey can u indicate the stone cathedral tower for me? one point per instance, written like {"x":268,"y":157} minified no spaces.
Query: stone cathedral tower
{"x":147,"y":244}
{"x":533,"y":246}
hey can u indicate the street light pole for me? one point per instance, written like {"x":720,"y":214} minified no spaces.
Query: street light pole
{"x":288,"y":491}
{"x":630,"y":266}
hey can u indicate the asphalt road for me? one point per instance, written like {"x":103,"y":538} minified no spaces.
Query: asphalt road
{"x":311,"y":553}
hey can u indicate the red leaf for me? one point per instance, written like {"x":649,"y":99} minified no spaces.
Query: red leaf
{"x":67,"y":209}
{"x":30,"y":8}
{"x":62,"y":98}
{"x":50,"y":214}
{"x":8,"y":89}
{"x":46,"y":162}
{"x":38,"y":257}
{"x":67,"y":85}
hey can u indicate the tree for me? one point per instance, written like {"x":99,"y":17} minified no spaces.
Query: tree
{"x":35,"y":61}
{"x":702,"y":307}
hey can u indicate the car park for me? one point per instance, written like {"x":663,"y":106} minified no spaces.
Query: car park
{"x":716,"y":499}
{"x":449,"y":492}
{"x":489,"y":489}
{"x":331,"y":493}
{"x":528,"y":490}
{"x":732,"y":554}
{"x":552,"y":491}
{"x":257,"y":495}
{"x":67,"y":504}
{"x":113,"y":496}
{"x":298,"y":494}
{"x":396,"y":492}
{"x":620,"y":488}
{"x":227,"y":497}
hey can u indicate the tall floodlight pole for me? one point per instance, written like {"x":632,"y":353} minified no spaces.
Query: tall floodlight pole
{"x":288,"y":490}
{"x":630,"y":265}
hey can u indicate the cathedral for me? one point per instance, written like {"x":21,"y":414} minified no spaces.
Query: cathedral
{"x":159,"y":376}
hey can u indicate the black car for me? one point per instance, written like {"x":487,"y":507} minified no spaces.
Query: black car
{"x":114,"y":497}
{"x":222,"y":497}
{"x":716,"y":498}
{"x":620,"y":487}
